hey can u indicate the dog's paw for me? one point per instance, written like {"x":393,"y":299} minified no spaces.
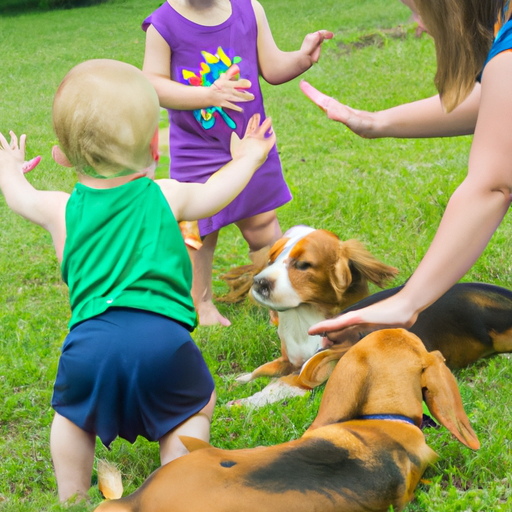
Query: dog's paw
{"x":246,"y":377}
{"x":276,"y":391}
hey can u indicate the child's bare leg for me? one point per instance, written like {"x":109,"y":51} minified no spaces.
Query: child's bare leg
{"x":202,"y":261}
{"x":261,"y":230}
{"x":197,"y":426}
{"x":72,"y":452}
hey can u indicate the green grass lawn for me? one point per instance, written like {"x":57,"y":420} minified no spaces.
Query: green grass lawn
{"x":390,"y":194}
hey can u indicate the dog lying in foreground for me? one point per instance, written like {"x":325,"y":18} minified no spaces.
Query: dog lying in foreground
{"x":364,"y":451}
{"x":311,"y":275}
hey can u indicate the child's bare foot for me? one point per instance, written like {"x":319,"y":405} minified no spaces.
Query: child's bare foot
{"x":209,"y":314}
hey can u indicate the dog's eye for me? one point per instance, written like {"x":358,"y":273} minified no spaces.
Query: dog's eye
{"x":302,"y":265}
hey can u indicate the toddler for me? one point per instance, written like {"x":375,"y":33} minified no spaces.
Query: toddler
{"x":128,"y":366}
{"x":204,"y":58}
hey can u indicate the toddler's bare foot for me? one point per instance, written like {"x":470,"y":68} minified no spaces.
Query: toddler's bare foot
{"x":209,"y":314}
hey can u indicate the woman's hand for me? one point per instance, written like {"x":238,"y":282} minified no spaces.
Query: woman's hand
{"x":392,"y":312}
{"x":360,"y":122}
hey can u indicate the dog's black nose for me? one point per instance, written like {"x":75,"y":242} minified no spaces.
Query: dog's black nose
{"x":263,"y":287}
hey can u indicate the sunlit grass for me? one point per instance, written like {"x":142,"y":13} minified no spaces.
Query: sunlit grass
{"x":388,"y":193}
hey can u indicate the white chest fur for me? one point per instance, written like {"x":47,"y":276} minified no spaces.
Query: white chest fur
{"x":293,"y":332}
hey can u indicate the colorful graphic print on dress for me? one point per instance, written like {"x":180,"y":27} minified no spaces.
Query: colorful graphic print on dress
{"x":210,"y":70}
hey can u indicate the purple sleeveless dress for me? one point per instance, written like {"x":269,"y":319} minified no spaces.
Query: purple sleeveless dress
{"x":199,"y":140}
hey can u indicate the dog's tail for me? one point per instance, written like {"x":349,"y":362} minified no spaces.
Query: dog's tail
{"x":111,"y":486}
{"x":109,"y":480}
{"x":240,"y":279}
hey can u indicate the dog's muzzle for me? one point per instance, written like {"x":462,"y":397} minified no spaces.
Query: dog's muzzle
{"x":263,"y":287}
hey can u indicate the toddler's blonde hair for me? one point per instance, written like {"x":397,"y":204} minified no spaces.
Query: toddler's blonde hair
{"x":105,"y":114}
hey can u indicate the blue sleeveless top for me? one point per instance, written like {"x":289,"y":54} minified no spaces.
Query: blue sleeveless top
{"x":502,"y":40}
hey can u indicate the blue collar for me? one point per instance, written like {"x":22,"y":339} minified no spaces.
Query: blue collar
{"x":395,"y":417}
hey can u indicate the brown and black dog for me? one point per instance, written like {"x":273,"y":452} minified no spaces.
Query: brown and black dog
{"x":470,"y":321}
{"x":364,"y":451}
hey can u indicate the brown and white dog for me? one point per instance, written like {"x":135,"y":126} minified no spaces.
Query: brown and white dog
{"x":311,"y":275}
{"x":364,"y":451}
{"x":470,"y":321}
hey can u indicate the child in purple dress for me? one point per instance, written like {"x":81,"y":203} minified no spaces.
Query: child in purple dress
{"x":204,"y":58}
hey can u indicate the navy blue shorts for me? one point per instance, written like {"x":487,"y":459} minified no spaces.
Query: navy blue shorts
{"x":129,"y":372}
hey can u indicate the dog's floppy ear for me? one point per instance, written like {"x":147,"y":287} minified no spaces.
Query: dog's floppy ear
{"x":345,"y":393}
{"x":442,"y":396}
{"x":318,"y":368}
{"x":353,"y":252}
{"x":277,"y":248}
{"x":193,"y":443}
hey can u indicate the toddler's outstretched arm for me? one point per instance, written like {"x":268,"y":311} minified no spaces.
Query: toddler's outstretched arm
{"x":192,"y":201}
{"x":277,"y":66}
{"x":45,"y":208}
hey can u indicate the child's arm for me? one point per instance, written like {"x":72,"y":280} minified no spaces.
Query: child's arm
{"x":423,"y":118}
{"x":276,"y":66}
{"x":45,"y":208}
{"x":157,"y":68}
{"x":192,"y":201}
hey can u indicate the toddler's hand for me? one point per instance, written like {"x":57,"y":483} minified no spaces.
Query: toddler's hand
{"x":360,"y":122}
{"x":10,"y":153}
{"x":312,"y":44}
{"x":226,"y":90}
{"x":255,"y":143}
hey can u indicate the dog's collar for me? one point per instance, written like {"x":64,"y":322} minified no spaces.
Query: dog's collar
{"x":393,"y":417}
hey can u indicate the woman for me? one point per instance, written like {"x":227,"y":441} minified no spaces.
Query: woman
{"x":474,"y":76}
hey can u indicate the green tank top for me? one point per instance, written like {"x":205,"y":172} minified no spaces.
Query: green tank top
{"x":124,"y":249}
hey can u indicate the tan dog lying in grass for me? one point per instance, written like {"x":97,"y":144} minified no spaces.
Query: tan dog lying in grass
{"x":311,"y":275}
{"x":364,"y":451}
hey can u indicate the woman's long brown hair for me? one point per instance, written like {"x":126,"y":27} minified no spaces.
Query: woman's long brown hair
{"x":463,"y":32}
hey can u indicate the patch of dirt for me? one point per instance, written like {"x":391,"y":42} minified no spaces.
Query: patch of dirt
{"x":377,"y":38}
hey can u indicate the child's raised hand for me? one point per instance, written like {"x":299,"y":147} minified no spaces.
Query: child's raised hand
{"x":358,"y":121}
{"x":312,"y":44}
{"x":255,"y":142}
{"x":11,"y":153}
{"x":227,"y":89}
